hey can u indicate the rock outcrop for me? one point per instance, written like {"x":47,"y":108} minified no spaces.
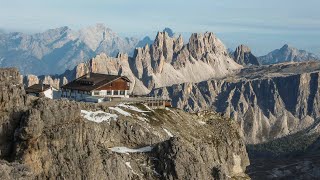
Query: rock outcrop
{"x":30,"y":80}
{"x":13,"y":104}
{"x":243,"y":56}
{"x":58,"y":139}
{"x":287,"y":54}
{"x":269,"y":102}
{"x":168,"y":61}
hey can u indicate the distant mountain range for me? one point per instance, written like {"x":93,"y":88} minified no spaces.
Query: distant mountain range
{"x":60,"y":49}
{"x":166,"y":62}
{"x":56,"y":50}
{"x":287,"y":54}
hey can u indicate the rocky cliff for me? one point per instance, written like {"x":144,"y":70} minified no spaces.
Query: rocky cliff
{"x":49,"y":139}
{"x":168,"y":61}
{"x":243,"y":56}
{"x":269,"y":102}
{"x":287,"y":54}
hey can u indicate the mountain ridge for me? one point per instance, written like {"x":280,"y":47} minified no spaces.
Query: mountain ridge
{"x":269,"y":101}
{"x":56,"y":50}
{"x":166,"y":62}
{"x":287,"y":54}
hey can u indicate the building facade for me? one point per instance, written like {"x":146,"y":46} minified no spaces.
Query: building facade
{"x":95,"y":87}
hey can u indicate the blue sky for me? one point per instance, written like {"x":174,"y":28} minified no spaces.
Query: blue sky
{"x":263,"y":25}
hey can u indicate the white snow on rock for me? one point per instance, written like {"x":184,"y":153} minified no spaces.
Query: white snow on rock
{"x":168,"y":109}
{"x":148,"y":108}
{"x":98,"y":116}
{"x":125,"y":113}
{"x":129,"y":165}
{"x":133,"y":108}
{"x":128,"y":150}
{"x":168,"y":132}
{"x":143,"y":119}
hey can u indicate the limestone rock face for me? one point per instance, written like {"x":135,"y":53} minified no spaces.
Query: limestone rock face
{"x":13,"y":103}
{"x":243,"y":56}
{"x":50,"y":139}
{"x":55,"y":82}
{"x":161,"y":51}
{"x":30,"y":80}
{"x":268,"y":102}
{"x":168,"y":61}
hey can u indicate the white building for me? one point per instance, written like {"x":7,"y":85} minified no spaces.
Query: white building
{"x":41,"y":90}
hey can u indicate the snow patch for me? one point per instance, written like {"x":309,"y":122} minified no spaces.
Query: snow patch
{"x":143,"y":119}
{"x":148,"y":108}
{"x":125,"y":113}
{"x":133,"y":108}
{"x":128,"y":150}
{"x":168,"y":132}
{"x":128,"y":164}
{"x":168,"y":109}
{"x":98,"y":116}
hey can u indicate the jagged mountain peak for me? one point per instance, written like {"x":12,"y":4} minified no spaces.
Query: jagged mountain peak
{"x":161,"y":35}
{"x":200,"y":43}
{"x":243,"y":56}
{"x":99,"y":28}
{"x":56,"y":50}
{"x":61,"y":29}
{"x":286,"y":46}
{"x":167,"y":61}
{"x":243,"y":48}
{"x":94,"y":35}
{"x":146,"y":40}
{"x":169,"y":31}
{"x":287,"y":53}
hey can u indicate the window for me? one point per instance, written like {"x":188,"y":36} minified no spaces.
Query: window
{"x":122,"y":92}
{"x":109,"y":92}
{"x":96,"y":93}
{"x":115,"y":92}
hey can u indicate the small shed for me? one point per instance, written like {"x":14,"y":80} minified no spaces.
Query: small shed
{"x":40,"y":90}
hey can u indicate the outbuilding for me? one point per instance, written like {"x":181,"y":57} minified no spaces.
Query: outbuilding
{"x":40,"y":90}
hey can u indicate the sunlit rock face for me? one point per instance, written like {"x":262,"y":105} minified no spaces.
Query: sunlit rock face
{"x":48,"y":139}
{"x":269,"y":102}
{"x":166,"y":62}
